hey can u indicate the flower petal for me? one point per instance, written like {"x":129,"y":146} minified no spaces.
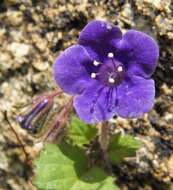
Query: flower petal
{"x":96,"y":103}
{"x":97,"y":36}
{"x":70,"y":71}
{"x":139,"y":52}
{"x":135,"y":97}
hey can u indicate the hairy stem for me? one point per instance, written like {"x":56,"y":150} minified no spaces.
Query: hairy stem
{"x":53,"y":135}
{"x":104,"y":136}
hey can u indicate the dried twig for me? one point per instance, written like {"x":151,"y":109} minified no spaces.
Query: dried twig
{"x":16,"y":135}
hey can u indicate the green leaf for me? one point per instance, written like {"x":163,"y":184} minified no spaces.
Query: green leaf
{"x":94,"y":179}
{"x":64,"y":167}
{"x":121,"y":147}
{"x":81,"y":133}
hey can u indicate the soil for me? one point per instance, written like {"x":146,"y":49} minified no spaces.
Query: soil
{"x":33,"y":33}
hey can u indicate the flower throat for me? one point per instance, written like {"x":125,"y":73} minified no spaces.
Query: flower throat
{"x":111,"y":73}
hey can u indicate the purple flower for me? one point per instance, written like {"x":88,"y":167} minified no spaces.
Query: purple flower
{"x":108,"y":72}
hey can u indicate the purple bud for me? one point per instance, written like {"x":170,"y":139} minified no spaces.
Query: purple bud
{"x":34,"y":118}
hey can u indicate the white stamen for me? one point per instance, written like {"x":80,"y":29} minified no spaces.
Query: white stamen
{"x":111,"y":80}
{"x":110,"y":55}
{"x":120,"y":68}
{"x":109,"y":26}
{"x":96,"y":63}
{"x":93,"y":75}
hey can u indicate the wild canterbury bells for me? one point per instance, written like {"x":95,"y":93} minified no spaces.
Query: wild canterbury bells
{"x":108,"y":72}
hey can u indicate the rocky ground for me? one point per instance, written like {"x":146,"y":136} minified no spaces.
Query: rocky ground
{"x":34,"y":32}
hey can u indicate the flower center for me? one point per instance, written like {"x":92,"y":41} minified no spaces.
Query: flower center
{"x":111,"y":73}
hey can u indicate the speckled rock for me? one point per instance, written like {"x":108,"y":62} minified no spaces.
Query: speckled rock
{"x":33,"y":33}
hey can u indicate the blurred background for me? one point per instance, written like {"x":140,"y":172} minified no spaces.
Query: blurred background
{"x":33,"y":33}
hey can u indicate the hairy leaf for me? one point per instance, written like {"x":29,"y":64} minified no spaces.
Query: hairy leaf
{"x":64,"y":167}
{"x":81,"y":133}
{"x":121,"y":147}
